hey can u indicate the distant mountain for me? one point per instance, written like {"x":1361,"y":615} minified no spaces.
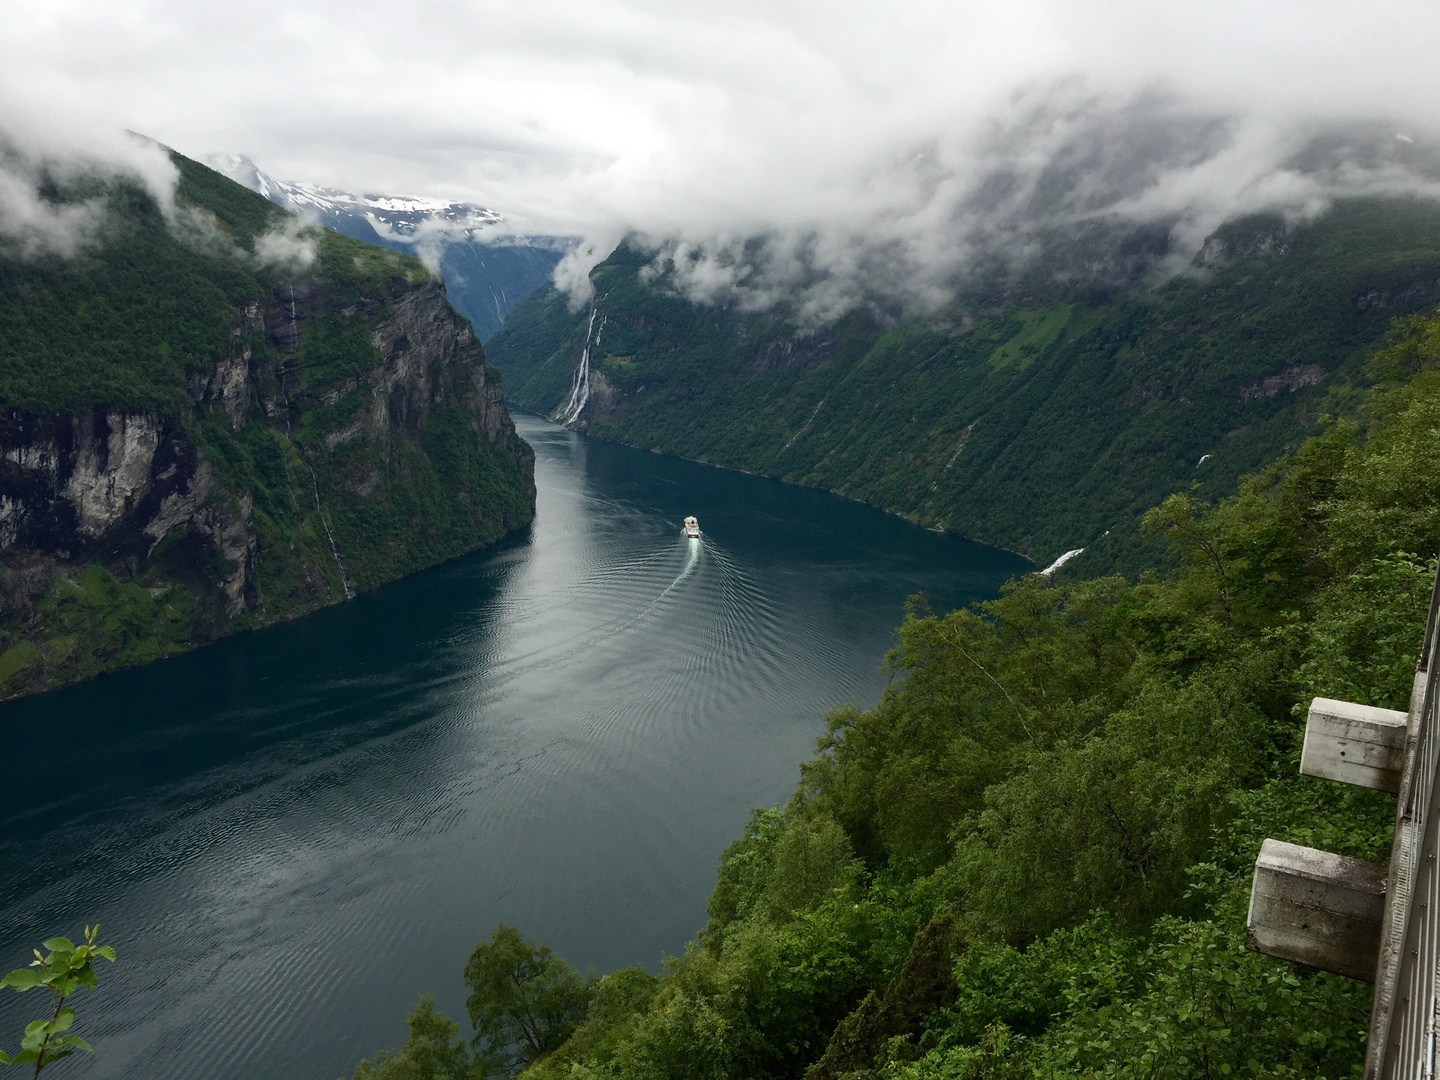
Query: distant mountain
{"x":488,"y":269}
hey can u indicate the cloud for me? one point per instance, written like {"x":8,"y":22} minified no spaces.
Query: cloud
{"x":68,"y":156}
{"x":34,"y":225}
{"x":869,"y":148}
{"x":291,"y":245}
{"x":44,"y":152}
{"x":572,"y":272}
{"x":1061,"y":182}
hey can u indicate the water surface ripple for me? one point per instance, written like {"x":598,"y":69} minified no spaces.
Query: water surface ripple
{"x":291,"y":835}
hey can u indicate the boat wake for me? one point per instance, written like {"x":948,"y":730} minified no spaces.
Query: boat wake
{"x":690,"y":563}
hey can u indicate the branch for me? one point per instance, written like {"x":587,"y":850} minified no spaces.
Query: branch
{"x":1018,"y":715}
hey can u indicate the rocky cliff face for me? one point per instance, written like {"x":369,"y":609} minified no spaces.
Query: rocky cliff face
{"x":107,"y":481}
{"x":307,"y":469}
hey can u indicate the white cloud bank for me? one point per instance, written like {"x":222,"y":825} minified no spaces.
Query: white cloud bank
{"x":877,"y":146}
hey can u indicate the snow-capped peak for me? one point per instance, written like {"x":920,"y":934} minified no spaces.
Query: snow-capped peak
{"x":398,"y":214}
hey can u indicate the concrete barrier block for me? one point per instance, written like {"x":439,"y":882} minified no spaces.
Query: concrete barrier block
{"x":1355,"y":744}
{"x":1317,"y":908}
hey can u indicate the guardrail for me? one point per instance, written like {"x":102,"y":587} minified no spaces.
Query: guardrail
{"x":1371,"y":922}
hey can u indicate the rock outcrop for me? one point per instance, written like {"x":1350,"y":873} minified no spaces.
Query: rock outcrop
{"x":283,"y":489}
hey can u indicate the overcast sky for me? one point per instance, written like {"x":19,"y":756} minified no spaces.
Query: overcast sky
{"x":698,"y":120}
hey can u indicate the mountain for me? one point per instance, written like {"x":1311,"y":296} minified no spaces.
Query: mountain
{"x":487,"y":268}
{"x":213,"y":418}
{"x":1041,"y":415}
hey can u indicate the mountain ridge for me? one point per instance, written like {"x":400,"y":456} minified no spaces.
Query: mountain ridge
{"x":488,"y":267}
{"x":194,"y":441}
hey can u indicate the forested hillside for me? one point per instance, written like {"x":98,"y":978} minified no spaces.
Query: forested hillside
{"x":212,"y":419}
{"x":1040,"y":415}
{"x":1031,"y":858}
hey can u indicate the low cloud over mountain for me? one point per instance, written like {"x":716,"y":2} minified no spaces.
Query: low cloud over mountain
{"x":847,"y":149}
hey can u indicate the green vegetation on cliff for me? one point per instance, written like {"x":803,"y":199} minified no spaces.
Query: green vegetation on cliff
{"x":216,"y":419}
{"x":1032,"y":857}
{"x":1039,"y":418}
{"x":121,"y":323}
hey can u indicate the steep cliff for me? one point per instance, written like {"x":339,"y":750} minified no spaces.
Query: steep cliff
{"x":194,"y":442}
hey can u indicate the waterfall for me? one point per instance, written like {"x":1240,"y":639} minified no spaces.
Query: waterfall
{"x":334,"y":550}
{"x":580,"y":388}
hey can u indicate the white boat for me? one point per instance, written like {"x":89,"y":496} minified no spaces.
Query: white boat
{"x":692,"y":528}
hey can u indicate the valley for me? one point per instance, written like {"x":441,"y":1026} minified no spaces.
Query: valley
{"x":488,"y":269}
{"x":562,"y":731}
{"x":522,"y":696}
{"x":720,"y":542}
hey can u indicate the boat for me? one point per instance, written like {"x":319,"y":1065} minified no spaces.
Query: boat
{"x":692,"y":528}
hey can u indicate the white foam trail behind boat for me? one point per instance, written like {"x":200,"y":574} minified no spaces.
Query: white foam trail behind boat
{"x":690,"y":564}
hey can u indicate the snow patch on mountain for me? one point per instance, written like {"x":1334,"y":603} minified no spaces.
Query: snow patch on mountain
{"x":402,"y":214}
{"x":487,"y":266}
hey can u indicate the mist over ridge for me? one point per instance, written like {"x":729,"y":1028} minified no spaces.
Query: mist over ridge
{"x":833,"y":157}
{"x":1067,"y":188}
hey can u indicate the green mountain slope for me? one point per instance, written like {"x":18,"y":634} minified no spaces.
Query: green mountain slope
{"x":1039,"y":420}
{"x":220,"y":420}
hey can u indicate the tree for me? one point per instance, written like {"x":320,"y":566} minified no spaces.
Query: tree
{"x":428,"y":1054}
{"x":524,"y":1000}
{"x":62,"y":971}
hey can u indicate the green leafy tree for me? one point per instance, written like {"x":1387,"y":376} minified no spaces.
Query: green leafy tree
{"x":62,"y":970}
{"x":429,"y":1053}
{"x":524,"y":1000}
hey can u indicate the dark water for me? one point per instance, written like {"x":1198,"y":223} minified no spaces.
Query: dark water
{"x":291,"y":835}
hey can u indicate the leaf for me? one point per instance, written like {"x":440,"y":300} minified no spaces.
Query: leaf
{"x":59,"y":945}
{"x":77,"y":1042}
{"x":86,"y":978}
{"x":64,"y":1020}
{"x":106,"y":951}
{"x":21,"y":979}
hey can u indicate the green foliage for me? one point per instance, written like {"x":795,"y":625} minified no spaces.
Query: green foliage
{"x":94,"y":622}
{"x":1045,"y":423}
{"x":1032,"y":856}
{"x":62,"y":969}
{"x":429,"y":1053}
{"x":524,"y":1001}
{"x":615,"y":1002}
{"x":334,"y":347}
